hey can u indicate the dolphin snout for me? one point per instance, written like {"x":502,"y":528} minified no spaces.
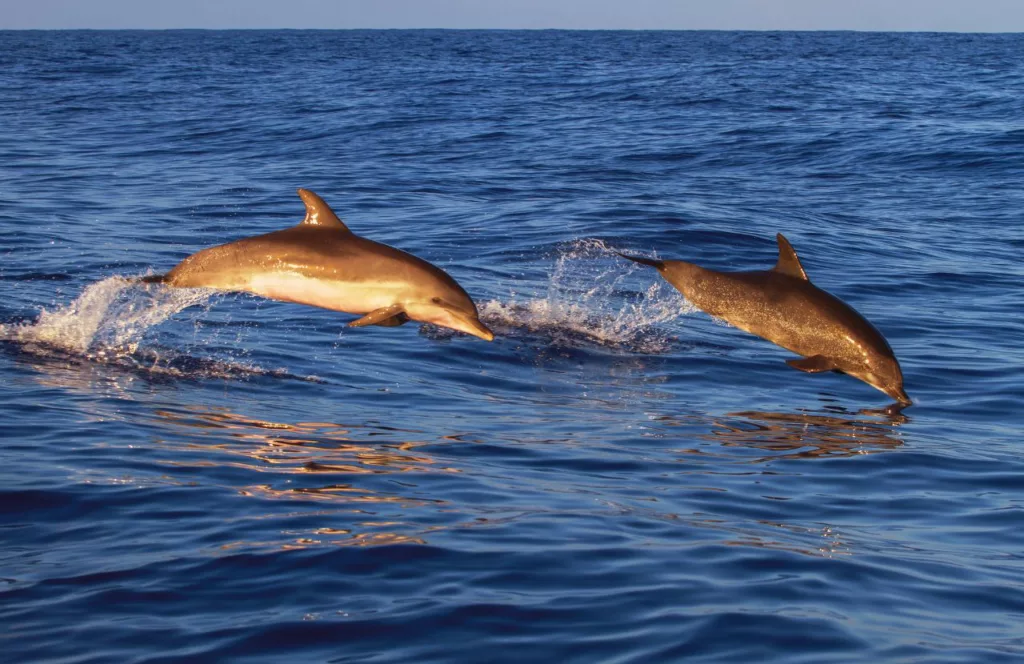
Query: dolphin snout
{"x":899,"y":394}
{"x":463,"y":321}
{"x":478,"y":329}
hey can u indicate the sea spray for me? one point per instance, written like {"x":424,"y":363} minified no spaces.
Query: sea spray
{"x":107,"y":325}
{"x":590,"y":299}
{"x":110,"y":316}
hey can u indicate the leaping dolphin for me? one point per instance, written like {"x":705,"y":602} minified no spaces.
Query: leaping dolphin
{"x":322,"y":263}
{"x":784,"y":307}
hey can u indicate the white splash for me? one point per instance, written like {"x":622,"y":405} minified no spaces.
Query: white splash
{"x":589,"y":301}
{"x":107,"y":325}
{"x":108,"y":317}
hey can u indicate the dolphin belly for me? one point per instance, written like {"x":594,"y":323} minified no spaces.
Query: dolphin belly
{"x":349,"y":297}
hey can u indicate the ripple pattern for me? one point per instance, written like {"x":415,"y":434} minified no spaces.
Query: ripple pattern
{"x":617,"y":477}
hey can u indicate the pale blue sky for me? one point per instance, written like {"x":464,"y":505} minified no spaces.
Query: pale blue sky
{"x":940,"y":15}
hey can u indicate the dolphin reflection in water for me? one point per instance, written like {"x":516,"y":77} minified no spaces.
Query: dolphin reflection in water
{"x":322,"y":263}
{"x":784,"y":307}
{"x":833,"y":431}
{"x":810,"y":435}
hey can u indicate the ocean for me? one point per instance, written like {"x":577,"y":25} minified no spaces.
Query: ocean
{"x":617,"y":477}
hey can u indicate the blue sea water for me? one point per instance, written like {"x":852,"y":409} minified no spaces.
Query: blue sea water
{"x":187,"y":476}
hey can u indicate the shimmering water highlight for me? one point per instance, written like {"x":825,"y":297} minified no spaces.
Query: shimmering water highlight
{"x":187,"y":476}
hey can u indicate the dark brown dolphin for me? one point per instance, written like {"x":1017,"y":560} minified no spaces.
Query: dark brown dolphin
{"x":784,"y":307}
{"x":322,"y":263}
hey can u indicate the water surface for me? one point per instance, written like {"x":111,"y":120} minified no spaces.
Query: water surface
{"x":187,"y":476}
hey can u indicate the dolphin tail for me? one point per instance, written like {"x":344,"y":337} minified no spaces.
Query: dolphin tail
{"x":660,"y":265}
{"x":153,"y":279}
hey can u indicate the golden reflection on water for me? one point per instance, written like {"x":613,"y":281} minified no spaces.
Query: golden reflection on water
{"x":807,"y":435}
{"x":304,"y":447}
{"x":346,"y":538}
{"x":310,"y":449}
{"x":357,"y":485}
{"x":824,"y":541}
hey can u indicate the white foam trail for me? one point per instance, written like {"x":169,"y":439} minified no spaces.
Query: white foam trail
{"x":108,"y":317}
{"x":584,"y":303}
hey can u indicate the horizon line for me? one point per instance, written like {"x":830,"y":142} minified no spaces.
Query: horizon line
{"x":552,"y":29}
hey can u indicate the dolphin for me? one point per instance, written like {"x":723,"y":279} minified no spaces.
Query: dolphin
{"x":322,"y":263}
{"x":784,"y":307}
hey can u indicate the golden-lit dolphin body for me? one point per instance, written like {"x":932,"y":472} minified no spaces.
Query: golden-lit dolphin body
{"x":322,"y":263}
{"x":784,"y":307}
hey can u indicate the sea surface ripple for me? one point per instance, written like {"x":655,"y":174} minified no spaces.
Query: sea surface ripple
{"x":191,"y":476}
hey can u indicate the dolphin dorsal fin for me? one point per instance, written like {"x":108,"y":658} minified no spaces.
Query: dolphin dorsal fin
{"x":319,"y":213}
{"x":788,"y":263}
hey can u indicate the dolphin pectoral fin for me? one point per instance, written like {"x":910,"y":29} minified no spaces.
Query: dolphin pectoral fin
{"x":813,"y":364}
{"x":383,"y":316}
{"x":396,"y":320}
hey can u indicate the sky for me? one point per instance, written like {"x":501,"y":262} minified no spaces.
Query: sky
{"x":886,"y":15}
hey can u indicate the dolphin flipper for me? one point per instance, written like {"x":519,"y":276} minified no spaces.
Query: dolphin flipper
{"x":396,"y":320}
{"x":385,"y":316}
{"x":813,"y":364}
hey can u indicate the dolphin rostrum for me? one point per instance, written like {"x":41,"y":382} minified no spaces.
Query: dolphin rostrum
{"x":322,"y":263}
{"x":784,"y":307}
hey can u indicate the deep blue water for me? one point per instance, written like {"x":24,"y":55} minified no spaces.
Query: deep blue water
{"x":617,"y":477}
